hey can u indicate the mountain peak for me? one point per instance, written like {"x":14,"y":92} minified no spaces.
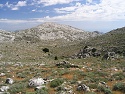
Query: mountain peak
{"x":53,"y":26}
{"x":53,"y":31}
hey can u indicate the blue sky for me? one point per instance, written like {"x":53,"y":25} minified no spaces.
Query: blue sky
{"x":89,"y":15}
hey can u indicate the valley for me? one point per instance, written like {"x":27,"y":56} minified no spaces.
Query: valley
{"x":69,"y":60}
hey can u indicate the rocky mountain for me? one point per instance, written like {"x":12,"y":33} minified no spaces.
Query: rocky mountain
{"x":6,"y":36}
{"x":53,"y":31}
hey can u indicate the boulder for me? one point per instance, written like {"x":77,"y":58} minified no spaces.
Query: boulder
{"x":83,"y":87}
{"x":103,"y":84}
{"x":2,"y":74}
{"x":36,"y":82}
{"x":109,"y":56}
{"x":9,"y":81}
{"x":4,"y":88}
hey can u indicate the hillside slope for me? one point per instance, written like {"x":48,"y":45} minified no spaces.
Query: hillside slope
{"x":27,"y":45}
{"x":113,"y":40}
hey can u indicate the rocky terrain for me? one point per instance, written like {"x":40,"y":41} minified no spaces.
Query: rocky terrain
{"x":54,"y":31}
{"x":6,"y":36}
{"x":59,"y":59}
{"x":47,"y":31}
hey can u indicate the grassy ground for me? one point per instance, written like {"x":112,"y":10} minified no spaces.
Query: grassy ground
{"x":90,"y":72}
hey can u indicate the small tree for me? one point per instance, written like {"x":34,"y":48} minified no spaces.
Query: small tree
{"x":56,"y":58}
{"x":45,"y":50}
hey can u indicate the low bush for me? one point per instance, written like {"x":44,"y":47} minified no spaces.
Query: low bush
{"x":104,"y":89}
{"x":42,"y":91}
{"x":119,"y":86}
{"x":18,"y":87}
{"x":57,"y":82}
{"x":118,"y":76}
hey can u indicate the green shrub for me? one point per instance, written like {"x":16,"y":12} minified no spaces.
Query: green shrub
{"x":18,"y":87}
{"x":104,"y":89}
{"x":42,"y":91}
{"x":21,"y":75}
{"x":55,"y":58}
{"x":60,"y":88}
{"x":119,"y":86}
{"x":94,"y":86}
{"x":107,"y":91}
{"x":118,"y":76}
{"x":56,"y":82}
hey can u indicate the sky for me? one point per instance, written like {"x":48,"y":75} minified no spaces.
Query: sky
{"x":88,"y":15}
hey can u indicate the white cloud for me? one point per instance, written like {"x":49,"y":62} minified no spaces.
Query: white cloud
{"x":12,"y":21}
{"x":33,"y":10}
{"x":53,"y":2}
{"x":105,"y":10}
{"x":1,"y":5}
{"x":16,"y":6}
{"x":68,"y":9}
{"x":8,"y":5}
{"x":21,"y":3}
{"x":89,"y":1}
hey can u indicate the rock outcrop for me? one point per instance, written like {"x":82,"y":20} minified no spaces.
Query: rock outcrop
{"x":6,"y":36}
{"x":86,"y":52}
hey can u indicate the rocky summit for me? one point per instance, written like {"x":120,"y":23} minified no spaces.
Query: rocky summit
{"x":53,"y":31}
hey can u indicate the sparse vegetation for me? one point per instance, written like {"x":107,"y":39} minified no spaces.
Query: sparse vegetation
{"x":57,"y":62}
{"x":104,"y":89}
